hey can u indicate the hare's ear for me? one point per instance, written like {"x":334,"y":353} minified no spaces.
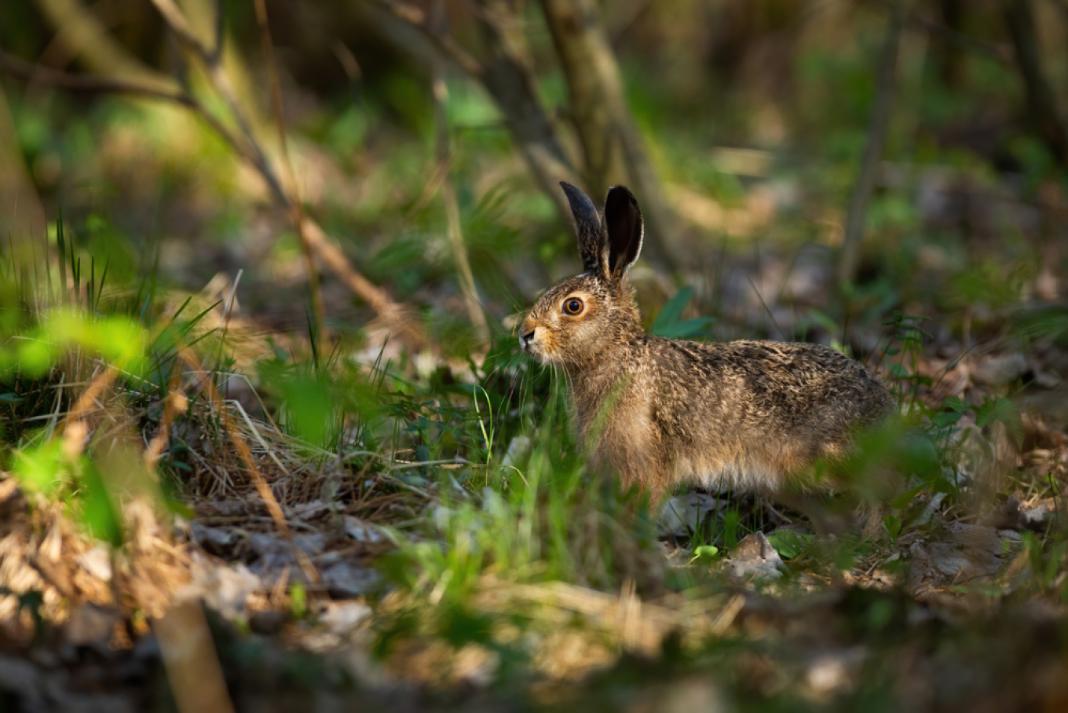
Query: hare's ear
{"x":588,"y":229}
{"x":624,"y":228}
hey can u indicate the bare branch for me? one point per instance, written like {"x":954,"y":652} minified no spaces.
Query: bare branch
{"x":179,"y":26}
{"x":415,"y":18}
{"x":21,"y":69}
{"x":89,"y":35}
{"x":81,"y":31}
{"x":218,"y":33}
{"x":885,"y":97}
{"x":505,"y":77}
{"x":394,"y":316}
{"x":29,"y":72}
{"x":613,"y":147}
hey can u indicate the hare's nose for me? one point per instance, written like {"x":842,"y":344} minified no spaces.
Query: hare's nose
{"x":526,"y":339}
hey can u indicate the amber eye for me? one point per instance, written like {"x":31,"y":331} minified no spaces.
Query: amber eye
{"x":573,"y":306}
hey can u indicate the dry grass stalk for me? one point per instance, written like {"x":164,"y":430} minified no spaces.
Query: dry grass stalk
{"x":245,"y":454}
{"x":174,"y":403}
{"x":637,"y":625}
{"x":74,"y":429}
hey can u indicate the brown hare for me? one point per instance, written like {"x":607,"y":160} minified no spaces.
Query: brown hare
{"x":663,"y":412}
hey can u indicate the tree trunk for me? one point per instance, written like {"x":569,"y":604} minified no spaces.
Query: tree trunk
{"x":1041,"y":100}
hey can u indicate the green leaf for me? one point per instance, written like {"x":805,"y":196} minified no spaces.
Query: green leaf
{"x":789,"y":543}
{"x":704,"y":553}
{"x":42,"y":468}
{"x":946,"y":418}
{"x":99,"y":513}
{"x":311,"y":407}
{"x":298,"y":600}
{"x":995,"y":409}
{"x":669,"y":322}
{"x":892,"y":524}
{"x":35,"y":357}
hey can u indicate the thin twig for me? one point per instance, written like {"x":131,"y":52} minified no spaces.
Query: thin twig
{"x":415,"y":18}
{"x":213,"y":70}
{"x":989,"y":50}
{"x":28,"y":71}
{"x":297,"y":213}
{"x":453,"y":225}
{"x":392,"y":314}
{"x":82,"y":34}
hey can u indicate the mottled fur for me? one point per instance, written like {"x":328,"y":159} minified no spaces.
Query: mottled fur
{"x":661,"y":412}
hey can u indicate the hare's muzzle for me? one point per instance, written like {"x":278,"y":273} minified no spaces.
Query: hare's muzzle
{"x":525,"y":339}
{"x":527,"y":331}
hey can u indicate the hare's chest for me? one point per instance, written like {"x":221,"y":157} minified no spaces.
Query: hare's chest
{"x":617,"y":432}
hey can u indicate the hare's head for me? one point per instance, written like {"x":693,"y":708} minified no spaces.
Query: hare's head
{"x":576,"y":320}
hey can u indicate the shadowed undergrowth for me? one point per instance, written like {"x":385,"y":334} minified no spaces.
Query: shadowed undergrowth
{"x":452,"y":501}
{"x":220,"y":476}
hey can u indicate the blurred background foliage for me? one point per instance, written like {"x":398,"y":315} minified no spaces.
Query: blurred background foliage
{"x":274,"y":253}
{"x":752,"y":120}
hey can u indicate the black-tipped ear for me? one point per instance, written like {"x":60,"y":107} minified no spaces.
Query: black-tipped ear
{"x":623,"y":224}
{"x":588,"y":228}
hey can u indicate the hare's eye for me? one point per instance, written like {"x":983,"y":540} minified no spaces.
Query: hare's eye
{"x":573,"y":306}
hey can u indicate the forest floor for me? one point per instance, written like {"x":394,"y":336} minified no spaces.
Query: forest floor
{"x":955,"y":601}
{"x":437,"y":544}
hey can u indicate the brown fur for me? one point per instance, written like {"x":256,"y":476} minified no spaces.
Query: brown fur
{"x":661,"y":412}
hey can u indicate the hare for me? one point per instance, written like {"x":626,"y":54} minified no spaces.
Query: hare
{"x":662,"y":412}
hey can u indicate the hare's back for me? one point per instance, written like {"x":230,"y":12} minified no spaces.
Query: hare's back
{"x":800,"y":381}
{"x":787,"y":382}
